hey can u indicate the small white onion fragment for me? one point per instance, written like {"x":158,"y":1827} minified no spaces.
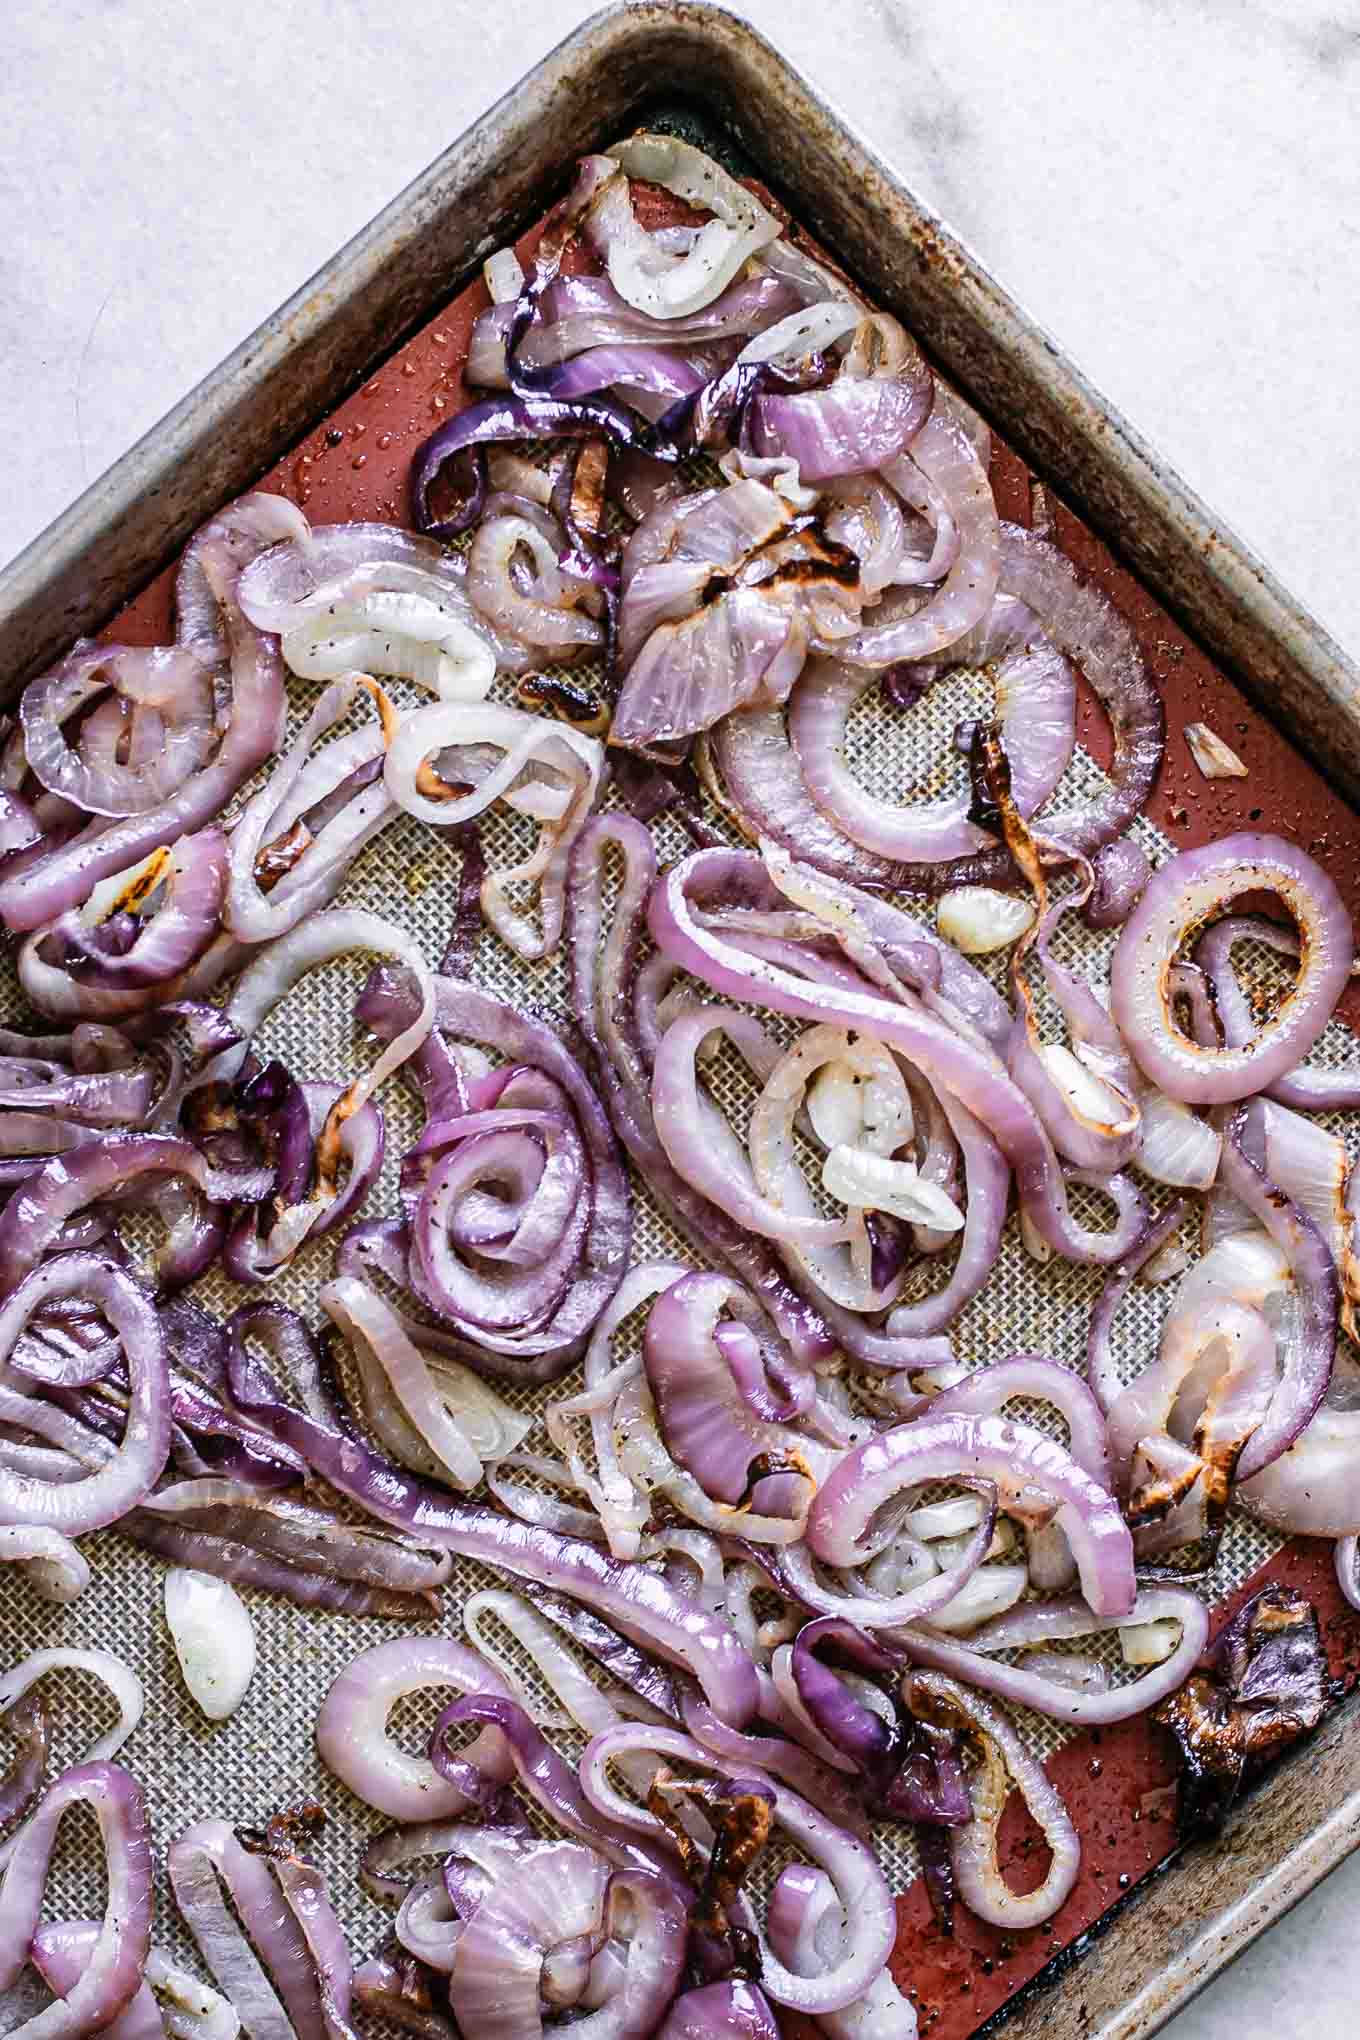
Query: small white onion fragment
{"x":213,"y":1637}
{"x":977,"y":919}
{"x":1177,"y":1147}
{"x":1089,"y":1096}
{"x":954,"y":1518}
{"x":1166,"y":1264}
{"x":1215,"y":759}
{"x":190,"y":2009}
{"x":865,"y":1181}
{"x":1148,"y":1643}
{"x":503,"y":276}
{"x":991,"y":1591}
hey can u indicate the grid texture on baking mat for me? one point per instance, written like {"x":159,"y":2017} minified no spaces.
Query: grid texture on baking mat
{"x":265,"y":1757}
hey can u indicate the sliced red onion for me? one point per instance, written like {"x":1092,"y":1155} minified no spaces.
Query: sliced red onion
{"x":645,"y":1459}
{"x":1310,"y":1490}
{"x":160,"y":692}
{"x":352,"y":1738}
{"x":945,"y":455}
{"x":1035,"y":702}
{"x":1223,"y":1011}
{"x":795,"y":1765}
{"x":1194,"y":884}
{"x":734,"y":2010}
{"x":1122,"y":870}
{"x":807,"y":1930}
{"x":443,"y":1421}
{"x":61,"y":1952}
{"x":53,"y":1565}
{"x":585,"y":1705}
{"x":1176,"y":1146}
{"x":712,"y":642}
{"x":135,"y":1467}
{"x":764,"y":781}
{"x":320,"y":1205}
{"x":861,"y":421}
{"x":1307,"y":1362}
{"x":303,"y":1534}
{"x":474,"y":1015}
{"x":29,"y":1727}
{"x":394,"y":1986}
{"x":553,"y":1785}
{"x":1086,"y":1092}
{"x":277,"y":808}
{"x":693,"y":1138}
{"x":563,"y":1897}
{"x":1036,"y":1622}
{"x":227,"y":1558}
{"x":1014,"y":1457}
{"x":644,"y":1606}
{"x":203,"y":1854}
{"x":32,"y":1081}
{"x":621,"y":1503}
{"x":931,"y":1600}
{"x":950,"y":1063}
{"x":861,"y":1111}
{"x":304,"y":948}
{"x":405,"y":633}
{"x":253,"y":732}
{"x":184,"y":887}
{"x":32,"y":1221}
{"x":746,"y":647}
{"x":1031,"y":1376}
{"x":582,"y":312}
{"x":120,"y":1679}
{"x":668,"y":286}
{"x":708,"y":1420}
{"x":215,"y":559}
{"x":851,"y":1865}
{"x":1005,"y":1760}
{"x":20,"y":828}
{"x":517,"y":581}
{"x":114,"y":1971}
{"x":289,"y":587}
{"x":602,"y":1005}
{"x":1087,"y":628}
{"x":517,"y":421}
{"x":1101,"y":1371}
{"x":575,"y":761}
{"x":1347,"y":1577}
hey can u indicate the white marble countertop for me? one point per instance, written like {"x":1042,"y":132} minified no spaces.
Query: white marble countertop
{"x":1171,"y":186}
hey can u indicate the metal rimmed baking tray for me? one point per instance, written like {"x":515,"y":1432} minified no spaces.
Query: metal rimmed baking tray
{"x":1168,"y":1936}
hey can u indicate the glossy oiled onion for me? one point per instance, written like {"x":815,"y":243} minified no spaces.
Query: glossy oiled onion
{"x":1178,"y":899}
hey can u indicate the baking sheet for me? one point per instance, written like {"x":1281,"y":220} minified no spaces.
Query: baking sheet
{"x":354,"y":466}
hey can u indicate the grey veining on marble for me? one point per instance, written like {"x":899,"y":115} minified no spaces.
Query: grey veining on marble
{"x":1171,"y":186}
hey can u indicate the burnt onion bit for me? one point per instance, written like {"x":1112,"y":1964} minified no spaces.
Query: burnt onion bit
{"x":911,"y":1766}
{"x":1266,"y":1687}
{"x":740,"y":1814}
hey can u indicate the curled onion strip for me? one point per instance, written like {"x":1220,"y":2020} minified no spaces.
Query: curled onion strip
{"x":850,"y":1863}
{"x":973,"y":1846}
{"x":1179,"y":897}
{"x":118,"y":1958}
{"x":120,"y":1679}
{"x":352,"y":1737}
{"x":967,"y":1662}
